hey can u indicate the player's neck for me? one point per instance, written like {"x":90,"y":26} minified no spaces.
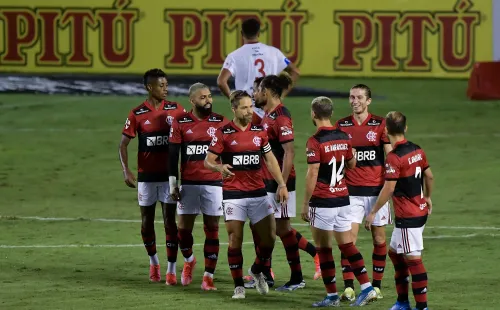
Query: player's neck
{"x":240,"y":125}
{"x":154,"y":102}
{"x":395,"y":139}
{"x":271,"y":105}
{"x":323,"y":123}
{"x":361,"y":117}
{"x":250,"y":41}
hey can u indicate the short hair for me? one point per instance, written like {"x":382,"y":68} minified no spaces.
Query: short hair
{"x":153,"y":74}
{"x":322,"y":107}
{"x":276,"y":83}
{"x":236,"y":96}
{"x":250,"y":28}
{"x":368,"y":91}
{"x":196,"y":87}
{"x":258,"y":80}
{"x":395,"y":123}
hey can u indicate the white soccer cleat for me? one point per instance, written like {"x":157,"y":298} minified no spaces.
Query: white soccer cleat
{"x":260,"y":282}
{"x":239,"y":292}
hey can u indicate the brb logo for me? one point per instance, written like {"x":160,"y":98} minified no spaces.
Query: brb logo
{"x":196,"y":149}
{"x":365,"y":155}
{"x":240,"y":160}
{"x":211,"y":131}
{"x":157,"y":141}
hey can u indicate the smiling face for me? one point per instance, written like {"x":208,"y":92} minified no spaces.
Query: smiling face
{"x":359,"y":100}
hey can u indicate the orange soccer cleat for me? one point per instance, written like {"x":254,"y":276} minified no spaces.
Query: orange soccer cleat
{"x":208,"y":284}
{"x":154,"y":273}
{"x":187,"y":272}
{"x":171,"y":279}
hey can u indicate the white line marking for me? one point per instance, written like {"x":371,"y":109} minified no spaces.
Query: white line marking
{"x":5,"y":246}
{"x":69,"y":219}
{"x":32,"y":103}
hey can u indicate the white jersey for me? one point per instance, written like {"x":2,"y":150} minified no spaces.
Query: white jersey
{"x":254,"y":60}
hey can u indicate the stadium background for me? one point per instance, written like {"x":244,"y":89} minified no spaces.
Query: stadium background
{"x":69,"y":232}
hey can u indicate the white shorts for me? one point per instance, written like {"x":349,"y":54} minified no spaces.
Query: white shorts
{"x":361,"y":206}
{"x":407,"y":240}
{"x":285,"y":211}
{"x":254,"y":209}
{"x":200,"y":199}
{"x":336,"y":219}
{"x":148,"y":193}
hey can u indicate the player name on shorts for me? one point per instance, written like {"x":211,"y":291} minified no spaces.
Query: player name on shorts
{"x":336,"y":147}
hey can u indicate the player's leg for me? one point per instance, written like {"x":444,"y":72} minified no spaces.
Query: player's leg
{"x":261,"y":215}
{"x":268,"y":272}
{"x":169,"y":208}
{"x":401,"y":271}
{"x":379,"y":255}
{"x":187,"y":209}
{"x":413,"y":257}
{"x":147,"y":197}
{"x":321,"y":220}
{"x":211,"y":207}
{"x":235,"y":214}
{"x":345,"y":241}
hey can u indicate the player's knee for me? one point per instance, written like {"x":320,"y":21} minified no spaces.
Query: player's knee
{"x":414,"y":255}
{"x":379,"y":238}
{"x":282,"y":229}
{"x":235,"y":239}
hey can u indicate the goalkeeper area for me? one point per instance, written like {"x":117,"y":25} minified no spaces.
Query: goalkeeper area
{"x":70,"y":227}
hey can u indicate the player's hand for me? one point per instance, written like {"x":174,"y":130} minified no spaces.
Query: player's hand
{"x":224,"y":169}
{"x":354,"y":152}
{"x":369,"y":220}
{"x":305,"y":213}
{"x":429,"y":205}
{"x":282,"y":195}
{"x":129,"y":178}
{"x":176,"y":194}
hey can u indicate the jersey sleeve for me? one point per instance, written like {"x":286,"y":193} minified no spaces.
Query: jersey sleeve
{"x":175,"y":133}
{"x":285,"y":129}
{"x":230,"y":64}
{"x":265,"y":146}
{"x":349,"y":155}
{"x":383,"y":136}
{"x":283,"y":62}
{"x":130,"y":127}
{"x":392,"y":167}
{"x":313,"y":151}
{"x":217,"y":144}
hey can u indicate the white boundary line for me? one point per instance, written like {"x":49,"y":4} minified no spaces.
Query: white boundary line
{"x":72,"y":219}
{"x":64,"y":246}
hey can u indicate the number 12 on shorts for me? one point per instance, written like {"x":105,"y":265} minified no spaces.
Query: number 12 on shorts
{"x":337,"y":175}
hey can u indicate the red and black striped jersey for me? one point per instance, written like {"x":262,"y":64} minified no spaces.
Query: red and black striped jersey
{"x":279,"y":127}
{"x":193,"y":136}
{"x":331,"y":149}
{"x":243,"y":150}
{"x":406,"y":164}
{"x":368,"y":139}
{"x":152,"y":127}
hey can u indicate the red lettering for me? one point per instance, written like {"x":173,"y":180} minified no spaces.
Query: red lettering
{"x":386,"y":43}
{"x":78,"y":20}
{"x":186,"y":34}
{"x":215,"y":56}
{"x":49,"y":54}
{"x":20,"y":33}
{"x":417,"y":24}
{"x":352,"y":44}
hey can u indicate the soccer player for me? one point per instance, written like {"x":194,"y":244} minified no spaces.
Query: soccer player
{"x":279,"y":127}
{"x":409,"y":180}
{"x":365,"y":182}
{"x":201,"y":188}
{"x":252,"y":60}
{"x":326,"y":202}
{"x":150,"y":122}
{"x":241,"y":147}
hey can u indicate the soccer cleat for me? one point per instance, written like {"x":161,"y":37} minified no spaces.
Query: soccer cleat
{"x":348,"y":295}
{"x":329,"y":301}
{"x":239,"y":292}
{"x":154,"y":273}
{"x":379,"y":293}
{"x":367,"y":295}
{"x":317,"y":273}
{"x":249,"y":278}
{"x":422,"y":309}
{"x":401,"y":305}
{"x":208,"y":284}
{"x":260,"y":282}
{"x":187,"y":272}
{"x":291,"y":287}
{"x":171,"y":279}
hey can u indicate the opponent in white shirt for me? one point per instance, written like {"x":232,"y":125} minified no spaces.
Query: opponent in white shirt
{"x":253,"y":60}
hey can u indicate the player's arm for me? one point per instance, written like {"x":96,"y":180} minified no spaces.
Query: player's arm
{"x":174,"y":147}
{"x":351,"y":161}
{"x":428,"y":185}
{"x":294,"y":73}
{"x":274,"y":168}
{"x":224,"y":75}
{"x":288,"y":158}
{"x":387,"y":148}
{"x":313,"y":163}
{"x":127,"y":135}
{"x":214,"y":151}
{"x":384,"y":139}
{"x":286,"y":137}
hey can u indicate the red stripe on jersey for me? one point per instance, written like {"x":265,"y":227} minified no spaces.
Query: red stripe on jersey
{"x":152,"y":127}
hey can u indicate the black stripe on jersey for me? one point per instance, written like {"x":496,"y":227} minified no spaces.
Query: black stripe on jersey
{"x":243,"y":161}
{"x":369,"y":156}
{"x":364,"y":190}
{"x":324,"y":136}
{"x":278,"y":150}
{"x":153,"y":142}
{"x":226,"y":195}
{"x":211,"y":183}
{"x":405,"y":149}
{"x":152,"y":177}
{"x":408,"y":187}
{"x":412,"y":222}
{"x":325,"y":173}
{"x":317,"y":202}
{"x":194,"y":151}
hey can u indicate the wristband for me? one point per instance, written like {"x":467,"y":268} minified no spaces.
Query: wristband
{"x":282,"y":185}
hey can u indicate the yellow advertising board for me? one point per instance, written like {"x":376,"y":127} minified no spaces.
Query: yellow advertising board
{"x":425,"y":38}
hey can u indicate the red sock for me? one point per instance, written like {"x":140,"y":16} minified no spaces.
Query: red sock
{"x":305,"y":245}
{"x":211,"y":248}
{"x":186,"y":242}
{"x":356,"y":260}
{"x":401,"y":274}
{"x":149,"y":240}
{"x":347,"y":272}
{"x":235,"y":261}
{"x":292,"y":255}
{"x":418,"y":282}
{"x":327,"y":269}
{"x":171,"y":242}
{"x":379,"y":256}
